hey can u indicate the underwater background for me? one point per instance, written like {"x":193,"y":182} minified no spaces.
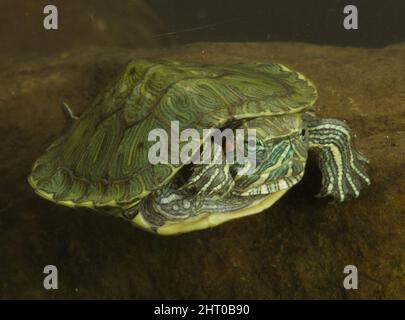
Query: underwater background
{"x":298,"y":248}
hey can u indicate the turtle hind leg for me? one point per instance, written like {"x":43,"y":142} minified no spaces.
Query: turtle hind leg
{"x":344,"y":169}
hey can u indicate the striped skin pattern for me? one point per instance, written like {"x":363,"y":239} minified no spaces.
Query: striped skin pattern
{"x":344,"y":169}
{"x":211,"y":179}
{"x":280,"y":162}
{"x":282,"y":145}
{"x":281,"y":153}
{"x":102,"y":160}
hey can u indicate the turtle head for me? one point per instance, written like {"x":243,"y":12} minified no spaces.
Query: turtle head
{"x":280,"y":163}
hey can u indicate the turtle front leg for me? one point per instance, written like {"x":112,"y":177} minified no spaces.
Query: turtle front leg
{"x":343,"y":167}
{"x":211,"y":179}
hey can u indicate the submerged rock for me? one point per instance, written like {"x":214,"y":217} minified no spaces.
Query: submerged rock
{"x":296,"y":249}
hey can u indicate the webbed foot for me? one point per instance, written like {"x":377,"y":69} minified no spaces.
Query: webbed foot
{"x":343,"y":167}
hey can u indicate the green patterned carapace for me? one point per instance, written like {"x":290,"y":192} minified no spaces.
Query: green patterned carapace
{"x":101,"y":160}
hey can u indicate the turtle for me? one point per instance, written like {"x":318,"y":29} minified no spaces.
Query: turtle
{"x":101,"y":162}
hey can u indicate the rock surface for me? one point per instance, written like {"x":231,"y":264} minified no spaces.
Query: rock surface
{"x":297,"y":249}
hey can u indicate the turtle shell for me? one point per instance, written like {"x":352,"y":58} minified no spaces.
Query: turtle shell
{"x":102,"y":160}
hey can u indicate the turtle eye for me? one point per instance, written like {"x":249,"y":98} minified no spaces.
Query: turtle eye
{"x":303,"y":132}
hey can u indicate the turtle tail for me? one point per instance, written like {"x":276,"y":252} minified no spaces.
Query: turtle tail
{"x":343,"y":167}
